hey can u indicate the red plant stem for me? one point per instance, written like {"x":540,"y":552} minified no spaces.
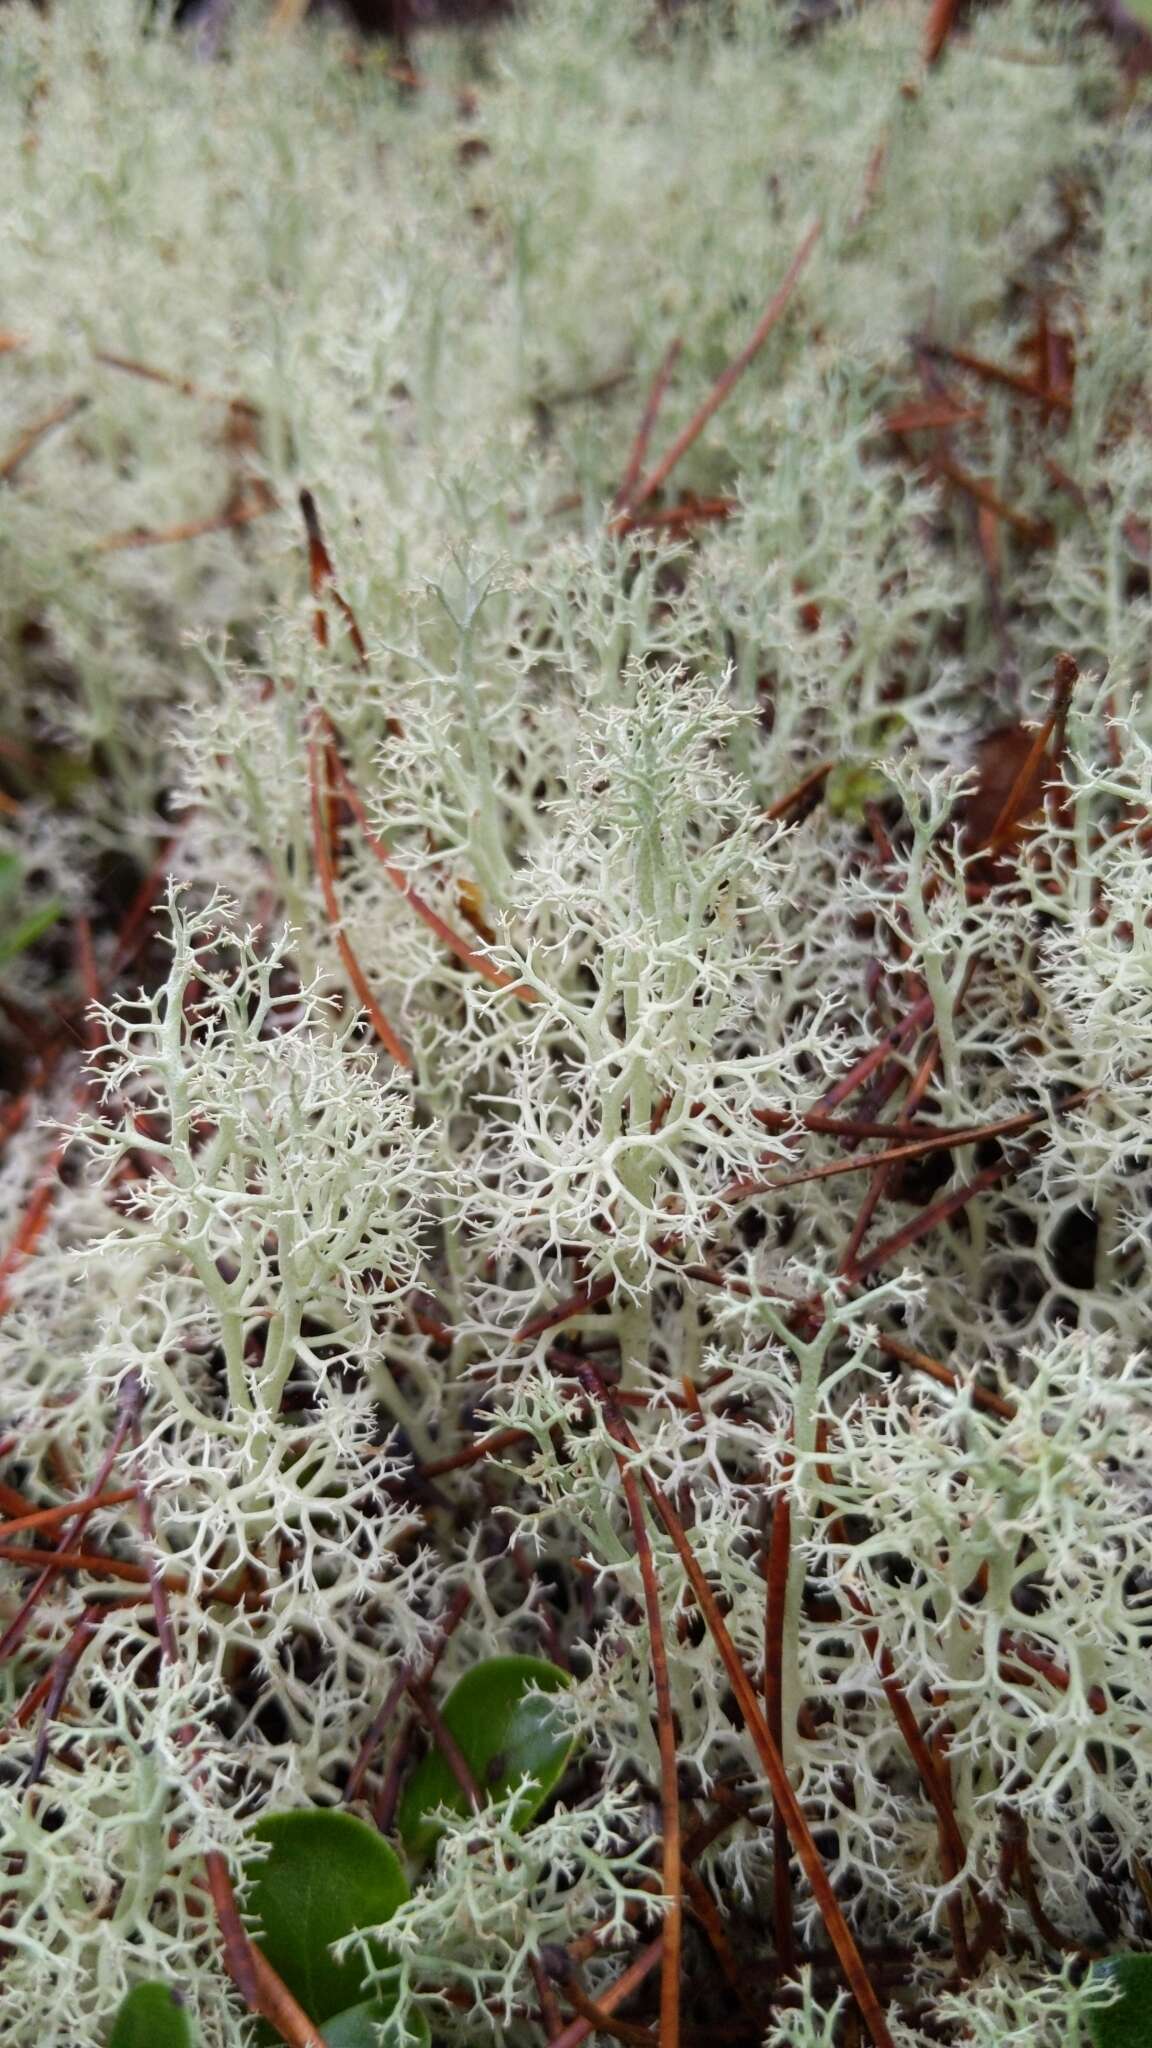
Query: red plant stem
{"x":689,"y":512}
{"x":458,"y":1607}
{"x":321,"y":579}
{"x":975,"y":487}
{"x":800,"y":1834}
{"x":863,"y":1162}
{"x":628,"y":1981}
{"x":46,"y":1518}
{"x":901,"y":1034}
{"x":814,"y":780}
{"x":129,"y":935}
{"x":80,"y":1561}
{"x":666,"y":1735}
{"x":379,"y":848}
{"x":31,"y":1226}
{"x":881,"y":1180}
{"x":446,"y":1742}
{"x":183,"y":385}
{"x":627,"y":2032}
{"x":996,"y":373}
{"x":484,"y":1447}
{"x":1064,"y":682}
{"x":941,"y":21}
{"x":982,"y":1397}
{"x":638,"y":456}
{"x":59,"y":1679}
{"x":238,"y":1953}
{"x":32,"y":436}
{"x":256,"y":507}
{"x":929,"y":1219}
{"x":704,"y":1910}
{"x":775,"y":1604}
{"x":930,"y":415}
{"x":551,"y":2017}
{"x":323,"y":856}
{"x":729,"y":376}
{"x":576,"y":1304}
{"x":18,"y":1627}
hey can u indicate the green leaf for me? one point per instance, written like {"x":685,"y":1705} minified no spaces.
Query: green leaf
{"x":325,"y":1874}
{"x":359,"y":2027}
{"x":152,"y":2017}
{"x":1128,"y":2023}
{"x":505,"y":1731}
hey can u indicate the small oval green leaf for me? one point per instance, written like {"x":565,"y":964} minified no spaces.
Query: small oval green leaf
{"x":325,"y":1874}
{"x":507,"y":1730}
{"x":360,"y":2026}
{"x":152,"y":2017}
{"x":1127,"y":2023}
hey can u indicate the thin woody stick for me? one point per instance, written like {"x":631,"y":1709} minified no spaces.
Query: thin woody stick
{"x":379,"y":849}
{"x":256,"y":507}
{"x":831,"y":1911}
{"x":46,"y":1518}
{"x":666,"y":1733}
{"x":628,"y":1981}
{"x":324,"y":869}
{"x":32,"y":436}
{"x":770,"y":317}
{"x":648,"y":420}
{"x":1064,"y":682}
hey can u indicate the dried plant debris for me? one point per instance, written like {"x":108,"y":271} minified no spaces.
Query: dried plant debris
{"x":576,"y":1019}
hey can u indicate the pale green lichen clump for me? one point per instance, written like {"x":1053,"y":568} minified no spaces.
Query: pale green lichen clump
{"x":282,"y":1273}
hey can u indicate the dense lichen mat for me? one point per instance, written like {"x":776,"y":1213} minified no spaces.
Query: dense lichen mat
{"x":576,"y":1011}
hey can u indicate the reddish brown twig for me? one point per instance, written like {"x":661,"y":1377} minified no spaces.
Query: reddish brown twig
{"x":639,"y":453}
{"x":445,"y":1742}
{"x":47,"y":1518}
{"x":982,"y":1397}
{"x":773,"y":311}
{"x":628,"y":1981}
{"x":775,"y":1605}
{"x":32,"y":436}
{"x":882,"y":1178}
{"x":998,"y":373}
{"x":380,"y":850}
{"x":576,"y":1304}
{"x":929,"y":1219}
{"x":32,"y":1223}
{"x":1035,"y":530}
{"x":930,"y":415}
{"x":898,"y":1038}
{"x":322,"y":853}
{"x":689,"y":511}
{"x":256,"y":505}
{"x":18,"y":1627}
{"x":261,"y":1989}
{"x":1064,"y":681}
{"x":322,"y":582}
{"x":625,"y":2031}
{"x":806,"y":787}
{"x":937,"y":29}
{"x":457,"y":1609}
{"x":484,"y":1447}
{"x":666,"y":1735}
{"x":184,"y":385}
{"x":58,"y":1681}
{"x":800,"y":1834}
{"x":93,"y":1561}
